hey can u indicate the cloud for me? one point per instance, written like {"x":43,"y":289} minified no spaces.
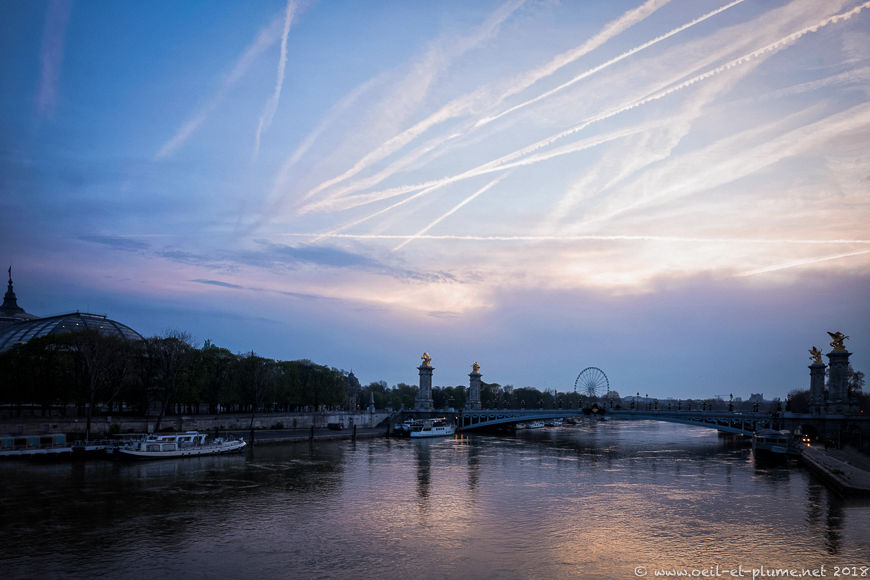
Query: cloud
{"x":116,"y":242}
{"x":318,"y":255}
{"x":53,"y":41}
{"x":219,"y":283}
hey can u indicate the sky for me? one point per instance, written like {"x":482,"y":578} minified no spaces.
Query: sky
{"x":676,"y":192}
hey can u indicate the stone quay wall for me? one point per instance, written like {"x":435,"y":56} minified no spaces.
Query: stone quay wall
{"x":104,"y":425}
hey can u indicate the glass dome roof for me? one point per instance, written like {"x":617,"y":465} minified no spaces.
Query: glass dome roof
{"x":26,"y":330}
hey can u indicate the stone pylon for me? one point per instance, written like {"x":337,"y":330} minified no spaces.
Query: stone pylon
{"x":817,"y":388}
{"x":473,"y":402}
{"x":423,"y":402}
{"x":838,"y":382}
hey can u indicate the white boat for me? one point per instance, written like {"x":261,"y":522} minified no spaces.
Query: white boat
{"x":434,"y":428}
{"x":767,"y":442}
{"x":553,"y":422}
{"x":168,"y":445}
{"x":404,"y":429}
{"x":536,"y":425}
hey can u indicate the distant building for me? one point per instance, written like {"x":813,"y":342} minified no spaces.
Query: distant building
{"x":352,"y":388}
{"x":756,"y":398}
{"x":18,"y":326}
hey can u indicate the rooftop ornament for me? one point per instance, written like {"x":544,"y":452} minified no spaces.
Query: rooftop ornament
{"x":837,"y":342}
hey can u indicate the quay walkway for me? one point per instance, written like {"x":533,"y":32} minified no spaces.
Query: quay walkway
{"x":846,"y":469}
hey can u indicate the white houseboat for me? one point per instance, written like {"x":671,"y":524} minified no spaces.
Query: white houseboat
{"x":169,"y":445}
{"x":434,"y":428}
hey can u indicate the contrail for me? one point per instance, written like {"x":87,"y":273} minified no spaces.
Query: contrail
{"x":609,"y":63}
{"x":672,"y":181}
{"x":579,"y":238}
{"x":502,"y":162}
{"x":273,"y":201}
{"x":447,"y":112}
{"x":499,"y":164}
{"x":264,"y":39}
{"x":560,"y":61}
{"x":491,"y":168}
{"x":465,"y":104}
{"x":53,"y":41}
{"x":272,"y":104}
{"x":455,"y":208}
{"x":799,"y":263}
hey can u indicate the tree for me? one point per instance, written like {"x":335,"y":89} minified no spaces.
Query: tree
{"x":214,"y":367}
{"x":104,"y":363}
{"x":258,"y":380}
{"x":403,"y":395}
{"x":856,"y":383}
{"x":171,"y":358}
{"x":525,"y":398}
{"x":798,"y":401}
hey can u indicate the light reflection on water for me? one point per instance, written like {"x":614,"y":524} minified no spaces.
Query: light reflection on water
{"x":591,"y":501}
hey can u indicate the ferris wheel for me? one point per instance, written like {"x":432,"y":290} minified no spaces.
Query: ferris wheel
{"x":592,"y":382}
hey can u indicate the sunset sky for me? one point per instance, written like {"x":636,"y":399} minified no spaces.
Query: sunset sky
{"x":677,"y":192}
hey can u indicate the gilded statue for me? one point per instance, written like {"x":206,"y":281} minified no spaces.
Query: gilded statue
{"x":427,"y":360}
{"x":837,"y":342}
{"x":475,"y":368}
{"x":816,"y":355}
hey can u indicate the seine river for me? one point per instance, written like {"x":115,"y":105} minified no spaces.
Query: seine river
{"x":614,"y":499}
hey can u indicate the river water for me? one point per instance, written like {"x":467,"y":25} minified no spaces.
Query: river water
{"x":614,"y":499}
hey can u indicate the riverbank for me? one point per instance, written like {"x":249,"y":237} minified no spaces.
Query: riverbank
{"x":848,"y":470}
{"x":280,"y":436}
{"x":107,"y":425}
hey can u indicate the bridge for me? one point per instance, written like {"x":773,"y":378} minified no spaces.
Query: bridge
{"x":725,"y":421}
{"x":737,"y":423}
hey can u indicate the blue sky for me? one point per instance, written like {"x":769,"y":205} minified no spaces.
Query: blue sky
{"x":677,"y":192}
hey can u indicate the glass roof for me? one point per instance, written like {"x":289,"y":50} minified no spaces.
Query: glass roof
{"x":24,"y":331}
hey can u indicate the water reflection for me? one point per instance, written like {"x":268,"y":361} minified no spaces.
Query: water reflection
{"x":592,"y":501}
{"x":423,"y":461}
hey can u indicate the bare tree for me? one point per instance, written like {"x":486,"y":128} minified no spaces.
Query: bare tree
{"x":171,"y":358}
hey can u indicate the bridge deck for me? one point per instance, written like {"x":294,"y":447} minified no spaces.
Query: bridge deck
{"x":729,"y":422}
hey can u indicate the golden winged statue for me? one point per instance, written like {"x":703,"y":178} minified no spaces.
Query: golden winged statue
{"x":427,"y":360}
{"x":816,"y":355}
{"x":475,"y":368}
{"x":837,"y":342}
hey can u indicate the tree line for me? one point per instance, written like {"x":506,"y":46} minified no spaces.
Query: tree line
{"x":88,"y":373}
